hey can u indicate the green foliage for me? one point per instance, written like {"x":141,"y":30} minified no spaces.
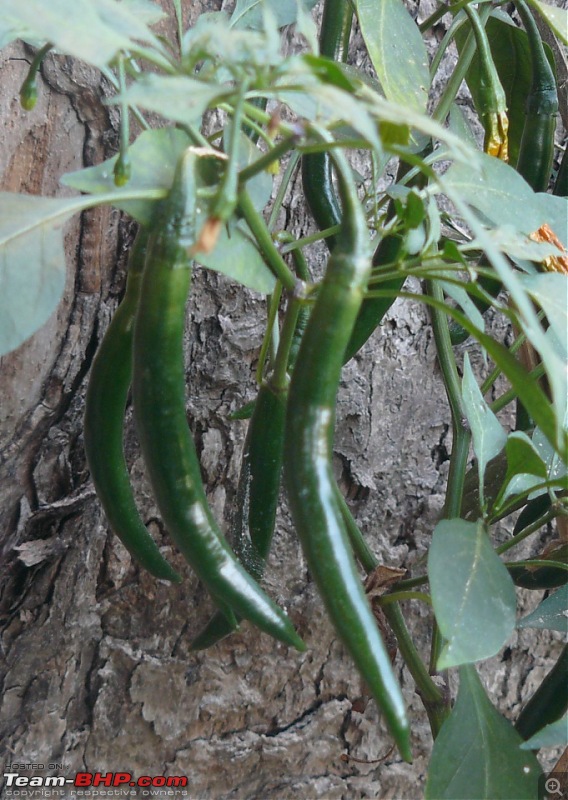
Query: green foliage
{"x":555,"y":16}
{"x":477,"y":753}
{"x":551,"y":614}
{"x":270,"y":111}
{"x":397,"y":51}
{"x":553,"y":735}
{"x":487,"y":432}
{"x":472,"y":592}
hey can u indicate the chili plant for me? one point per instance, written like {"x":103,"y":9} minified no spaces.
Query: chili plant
{"x":458,"y":229}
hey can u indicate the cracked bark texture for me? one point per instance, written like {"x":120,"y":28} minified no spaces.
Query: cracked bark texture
{"x":97,"y":673}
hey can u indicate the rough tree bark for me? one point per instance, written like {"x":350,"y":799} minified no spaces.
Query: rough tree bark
{"x":97,"y":673}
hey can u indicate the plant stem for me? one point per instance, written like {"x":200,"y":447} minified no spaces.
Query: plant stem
{"x":431,"y":696}
{"x":452,"y":87}
{"x":551,"y":514}
{"x":260,"y":165}
{"x":460,"y":428}
{"x":270,"y":252}
{"x":279,"y":199}
{"x":279,"y":379}
{"x":268,"y":341}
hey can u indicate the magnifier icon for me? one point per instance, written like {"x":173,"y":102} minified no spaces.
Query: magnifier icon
{"x":552,"y":786}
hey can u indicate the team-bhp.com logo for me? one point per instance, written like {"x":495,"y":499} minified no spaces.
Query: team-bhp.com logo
{"x":94,"y":785}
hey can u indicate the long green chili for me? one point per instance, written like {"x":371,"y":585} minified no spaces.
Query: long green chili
{"x":308,"y":457}
{"x":159,"y":405}
{"x":107,"y":393}
{"x":536,"y":151}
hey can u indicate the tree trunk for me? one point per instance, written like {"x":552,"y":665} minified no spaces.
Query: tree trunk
{"x":97,"y":673}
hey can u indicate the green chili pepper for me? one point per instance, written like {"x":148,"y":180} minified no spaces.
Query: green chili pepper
{"x":28,"y":90}
{"x":536,"y":151}
{"x":492,"y":99}
{"x":109,"y":382}
{"x":308,"y":457}
{"x":159,"y":406}
{"x":261,"y":468}
{"x":549,"y":702}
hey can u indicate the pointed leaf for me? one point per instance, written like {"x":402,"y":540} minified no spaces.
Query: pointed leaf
{"x":498,"y":192}
{"x":237,"y":256}
{"x":249,"y":13}
{"x":153,"y":158}
{"x":555,"y":16}
{"x":397,"y":51}
{"x":525,"y":467}
{"x":487,"y":432}
{"x":477,"y":753}
{"x":93,"y":32}
{"x":472,"y":593}
{"x":32,"y":264}
{"x":553,"y":735}
{"x":551,"y":614}
{"x":550,"y":291}
{"x":175,"y":97}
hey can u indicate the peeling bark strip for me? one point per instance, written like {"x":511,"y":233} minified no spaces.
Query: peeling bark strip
{"x":96,"y":672}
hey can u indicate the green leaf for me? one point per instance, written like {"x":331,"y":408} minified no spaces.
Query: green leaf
{"x":237,"y":256}
{"x":525,"y":468}
{"x":477,"y":753}
{"x":153,"y":158}
{"x":487,"y":432}
{"x":462,"y":298}
{"x":556,"y":469}
{"x":250,"y":13}
{"x":527,"y":319}
{"x":459,"y":125}
{"x":315,"y":100}
{"x":555,"y":16}
{"x":32,"y":264}
{"x":553,"y":735}
{"x":550,"y":291}
{"x":472,"y":593}
{"x":175,"y":97}
{"x":397,"y":51}
{"x":498,"y":192}
{"x":551,"y":614}
{"x":145,"y":10}
{"x":555,"y":211}
{"x":93,"y":32}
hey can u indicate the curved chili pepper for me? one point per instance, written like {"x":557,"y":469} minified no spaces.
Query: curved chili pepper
{"x":308,"y":458}
{"x":109,"y":382}
{"x":159,"y":406}
{"x":549,"y":702}
{"x":536,"y":151}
